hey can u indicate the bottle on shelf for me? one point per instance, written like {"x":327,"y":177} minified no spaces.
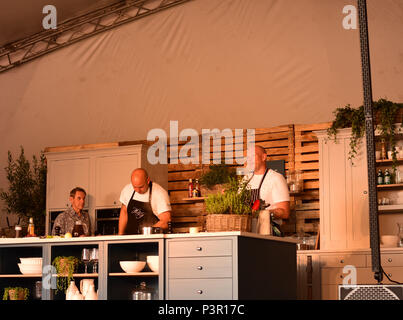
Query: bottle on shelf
{"x":383,"y":150}
{"x":379,"y":179}
{"x":387,"y":178}
{"x":197,"y":188}
{"x":190,"y":188}
{"x":31,"y":228}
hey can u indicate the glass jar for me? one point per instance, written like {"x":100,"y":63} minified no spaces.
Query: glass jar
{"x":142,"y":292}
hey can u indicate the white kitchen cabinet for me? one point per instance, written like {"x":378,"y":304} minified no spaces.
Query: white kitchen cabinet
{"x":344,"y":208}
{"x":63,"y":176}
{"x":102,"y":171}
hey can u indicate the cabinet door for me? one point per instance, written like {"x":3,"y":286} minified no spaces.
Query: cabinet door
{"x":112,"y":173}
{"x":63,"y":176}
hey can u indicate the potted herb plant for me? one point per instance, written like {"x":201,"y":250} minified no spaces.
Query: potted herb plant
{"x":231,"y":210}
{"x":16,"y":293}
{"x":212,"y":180}
{"x":65,"y":267}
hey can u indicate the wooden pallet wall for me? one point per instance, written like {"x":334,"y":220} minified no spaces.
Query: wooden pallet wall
{"x":307,"y":161}
{"x":279,"y":144}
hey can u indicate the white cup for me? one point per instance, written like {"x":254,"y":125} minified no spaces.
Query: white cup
{"x":193,"y":229}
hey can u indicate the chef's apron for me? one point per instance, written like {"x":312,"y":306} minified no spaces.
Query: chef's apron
{"x":140,"y":214}
{"x":255,"y":195}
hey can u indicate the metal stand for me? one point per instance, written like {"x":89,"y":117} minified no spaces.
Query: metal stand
{"x":369,"y":131}
{"x":83,"y":27}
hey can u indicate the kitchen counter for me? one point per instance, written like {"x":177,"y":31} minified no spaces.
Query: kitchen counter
{"x":205,"y":265}
{"x":28,"y":240}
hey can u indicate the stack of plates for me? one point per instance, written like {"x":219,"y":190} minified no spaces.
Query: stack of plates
{"x":30,"y":265}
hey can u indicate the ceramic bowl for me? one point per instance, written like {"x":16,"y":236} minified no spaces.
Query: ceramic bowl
{"x":30,"y":268}
{"x":153,"y":262}
{"x":132,"y":266}
{"x":31,"y":260}
{"x":389,"y":240}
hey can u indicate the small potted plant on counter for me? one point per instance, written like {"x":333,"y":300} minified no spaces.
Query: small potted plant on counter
{"x":15,"y":293}
{"x":65,"y":267}
{"x":231,"y":210}
{"x":214,"y":178}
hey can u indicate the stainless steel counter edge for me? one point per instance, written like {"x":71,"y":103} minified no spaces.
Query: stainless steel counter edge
{"x":142,"y":237}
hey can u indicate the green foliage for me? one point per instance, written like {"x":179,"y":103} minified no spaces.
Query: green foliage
{"x":235,"y":200}
{"x":26,"y":196}
{"x":348,"y":117}
{"x":17,"y":291}
{"x":217,"y":174}
{"x":65,"y":264}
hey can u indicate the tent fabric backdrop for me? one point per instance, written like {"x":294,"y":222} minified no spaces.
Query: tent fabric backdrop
{"x":206,"y":63}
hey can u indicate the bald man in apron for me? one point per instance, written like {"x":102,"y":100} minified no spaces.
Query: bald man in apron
{"x":144,"y":204}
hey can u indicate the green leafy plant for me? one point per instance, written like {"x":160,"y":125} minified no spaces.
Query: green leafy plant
{"x":13,"y":293}
{"x":235,"y":200}
{"x":385,"y":113}
{"x":26,"y":195}
{"x":217,"y":174}
{"x":65,"y":267}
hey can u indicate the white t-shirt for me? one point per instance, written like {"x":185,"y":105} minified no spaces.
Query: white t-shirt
{"x":159,"y":197}
{"x":274,"y":187}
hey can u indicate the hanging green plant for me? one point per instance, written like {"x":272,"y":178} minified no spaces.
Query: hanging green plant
{"x":385,"y":112}
{"x":65,"y":267}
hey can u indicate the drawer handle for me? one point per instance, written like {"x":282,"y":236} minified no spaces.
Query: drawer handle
{"x":341,"y":261}
{"x":390,"y":260}
{"x":199,"y":249}
{"x":341,"y":276}
{"x":199,"y":291}
{"x":389,"y":275}
{"x":199,"y":268}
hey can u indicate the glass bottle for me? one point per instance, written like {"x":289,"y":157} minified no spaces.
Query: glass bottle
{"x":379,"y":179}
{"x":197,"y":188}
{"x":190,"y":188}
{"x":78,"y":229}
{"x":386,"y":177}
{"x":31,"y":228}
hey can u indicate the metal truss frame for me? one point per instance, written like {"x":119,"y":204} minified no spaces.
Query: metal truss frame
{"x":80,"y":28}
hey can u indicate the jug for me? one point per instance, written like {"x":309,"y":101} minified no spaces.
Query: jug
{"x":264,"y":223}
{"x":91,"y":294}
{"x":71,"y":290}
{"x":85,"y":284}
{"x":400,"y":234}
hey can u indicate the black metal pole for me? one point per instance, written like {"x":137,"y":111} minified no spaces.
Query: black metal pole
{"x":369,"y":131}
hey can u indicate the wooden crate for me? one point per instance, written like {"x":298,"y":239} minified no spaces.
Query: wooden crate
{"x":307,"y":161}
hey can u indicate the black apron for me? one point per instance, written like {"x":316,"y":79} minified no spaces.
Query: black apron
{"x":255,"y":195}
{"x":140,"y":214}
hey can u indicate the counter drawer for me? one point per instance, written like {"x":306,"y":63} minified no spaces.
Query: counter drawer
{"x":200,"y":289}
{"x":388,"y":259}
{"x":203,"y":267}
{"x":199,"y":248}
{"x":336,"y":276}
{"x":357,"y":260}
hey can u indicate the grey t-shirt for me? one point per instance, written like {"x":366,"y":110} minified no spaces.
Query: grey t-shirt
{"x":67,"y":219}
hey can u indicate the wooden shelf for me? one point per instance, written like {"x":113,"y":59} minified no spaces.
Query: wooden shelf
{"x":82,"y":275}
{"x":134,"y":274}
{"x":194,"y":199}
{"x":36,"y":275}
{"x":389,"y":186}
{"x":387,"y":161}
{"x":390,"y":208}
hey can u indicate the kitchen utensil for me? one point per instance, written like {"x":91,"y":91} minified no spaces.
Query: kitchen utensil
{"x":132,"y":266}
{"x":142,"y":292}
{"x":85,"y":257}
{"x":94,"y":259}
{"x":30,"y":268}
{"x":31,"y":260}
{"x":153,"y":263}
